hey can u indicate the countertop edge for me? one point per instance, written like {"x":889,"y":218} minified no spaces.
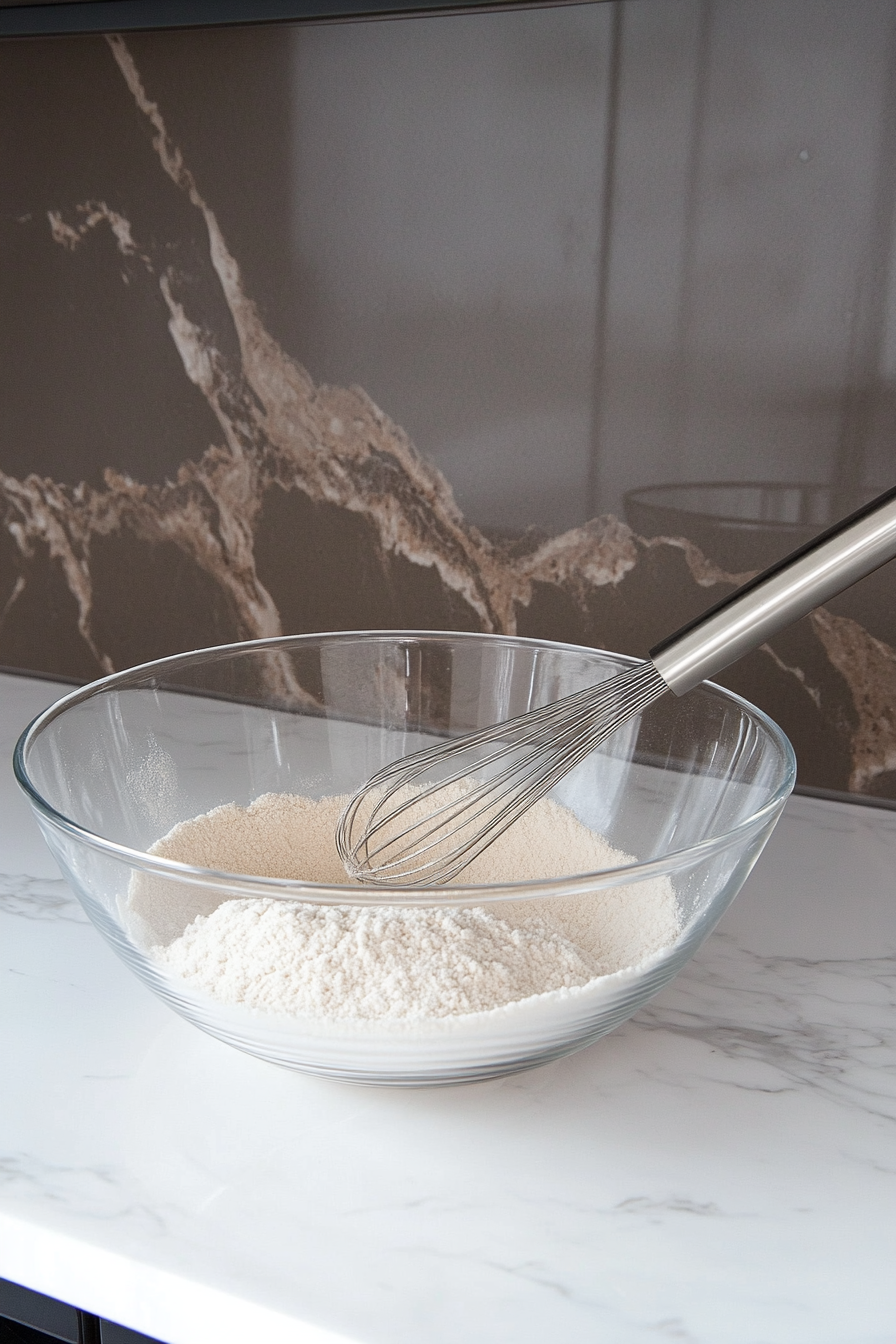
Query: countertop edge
{"x":140,"y":1295}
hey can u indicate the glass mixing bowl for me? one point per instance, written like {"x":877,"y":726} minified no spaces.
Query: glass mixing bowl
{"x":690,"y":789}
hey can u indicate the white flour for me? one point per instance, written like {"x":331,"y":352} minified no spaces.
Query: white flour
{"x":391,"y":962}
{"x":371,"y":963}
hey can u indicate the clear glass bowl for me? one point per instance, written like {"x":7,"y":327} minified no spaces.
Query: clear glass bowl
{"x":742,"y":525}
{"x":691,"y":789}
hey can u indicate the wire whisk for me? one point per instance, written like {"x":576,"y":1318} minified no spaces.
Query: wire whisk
{"x":421,"y":820}
{"x":398,"y":830}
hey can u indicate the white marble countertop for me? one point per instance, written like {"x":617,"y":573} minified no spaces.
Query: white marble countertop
{"x":721,"y":1169}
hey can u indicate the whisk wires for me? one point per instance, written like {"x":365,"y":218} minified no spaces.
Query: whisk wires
{"x":399,"y":831}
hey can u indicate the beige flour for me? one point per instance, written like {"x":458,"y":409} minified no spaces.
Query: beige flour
{"x":390,"y":961}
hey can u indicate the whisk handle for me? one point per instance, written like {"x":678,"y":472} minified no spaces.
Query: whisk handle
{"x":779,"y":596}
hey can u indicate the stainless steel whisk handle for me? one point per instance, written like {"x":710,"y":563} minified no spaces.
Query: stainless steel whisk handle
{"x":779,"y":596}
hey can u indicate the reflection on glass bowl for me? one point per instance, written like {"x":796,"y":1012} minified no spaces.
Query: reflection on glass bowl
{"x":741,"y":525}
{"x":692,"y":789}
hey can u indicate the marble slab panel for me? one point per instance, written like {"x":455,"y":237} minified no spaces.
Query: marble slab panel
{"x":171,"y":476}
{"x":721,"y":1169}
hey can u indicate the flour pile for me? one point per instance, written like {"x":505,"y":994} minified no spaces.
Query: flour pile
{"x":390,"y":962}
{"x":372,"y":963}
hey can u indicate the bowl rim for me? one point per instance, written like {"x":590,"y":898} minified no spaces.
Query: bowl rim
{"x":642,"y":496}
{"x":321,"y":893}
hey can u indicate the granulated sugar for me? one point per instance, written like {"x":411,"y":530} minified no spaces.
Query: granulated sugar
{"x":392,"y":962}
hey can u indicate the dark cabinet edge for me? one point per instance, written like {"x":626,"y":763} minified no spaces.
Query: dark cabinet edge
{"x":54,"y":1320}
{"x":38,"y":1311}
{"x":103,"y":16}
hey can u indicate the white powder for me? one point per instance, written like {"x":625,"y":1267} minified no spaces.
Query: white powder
{"x":378,"y":962}
{"x":335,"y":962}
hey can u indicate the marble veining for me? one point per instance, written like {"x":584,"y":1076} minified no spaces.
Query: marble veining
{"x":819,"y":1023}
{"x":721,"y":1169}
{"x":38,"y":898}
{"x":317,"y":481}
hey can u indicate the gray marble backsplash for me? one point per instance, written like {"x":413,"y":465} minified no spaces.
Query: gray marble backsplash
{"x":555,"y":321}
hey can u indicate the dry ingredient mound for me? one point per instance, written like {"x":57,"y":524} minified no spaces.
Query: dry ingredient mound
{"x":389,"y":962}
{"x":371,"y":963}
